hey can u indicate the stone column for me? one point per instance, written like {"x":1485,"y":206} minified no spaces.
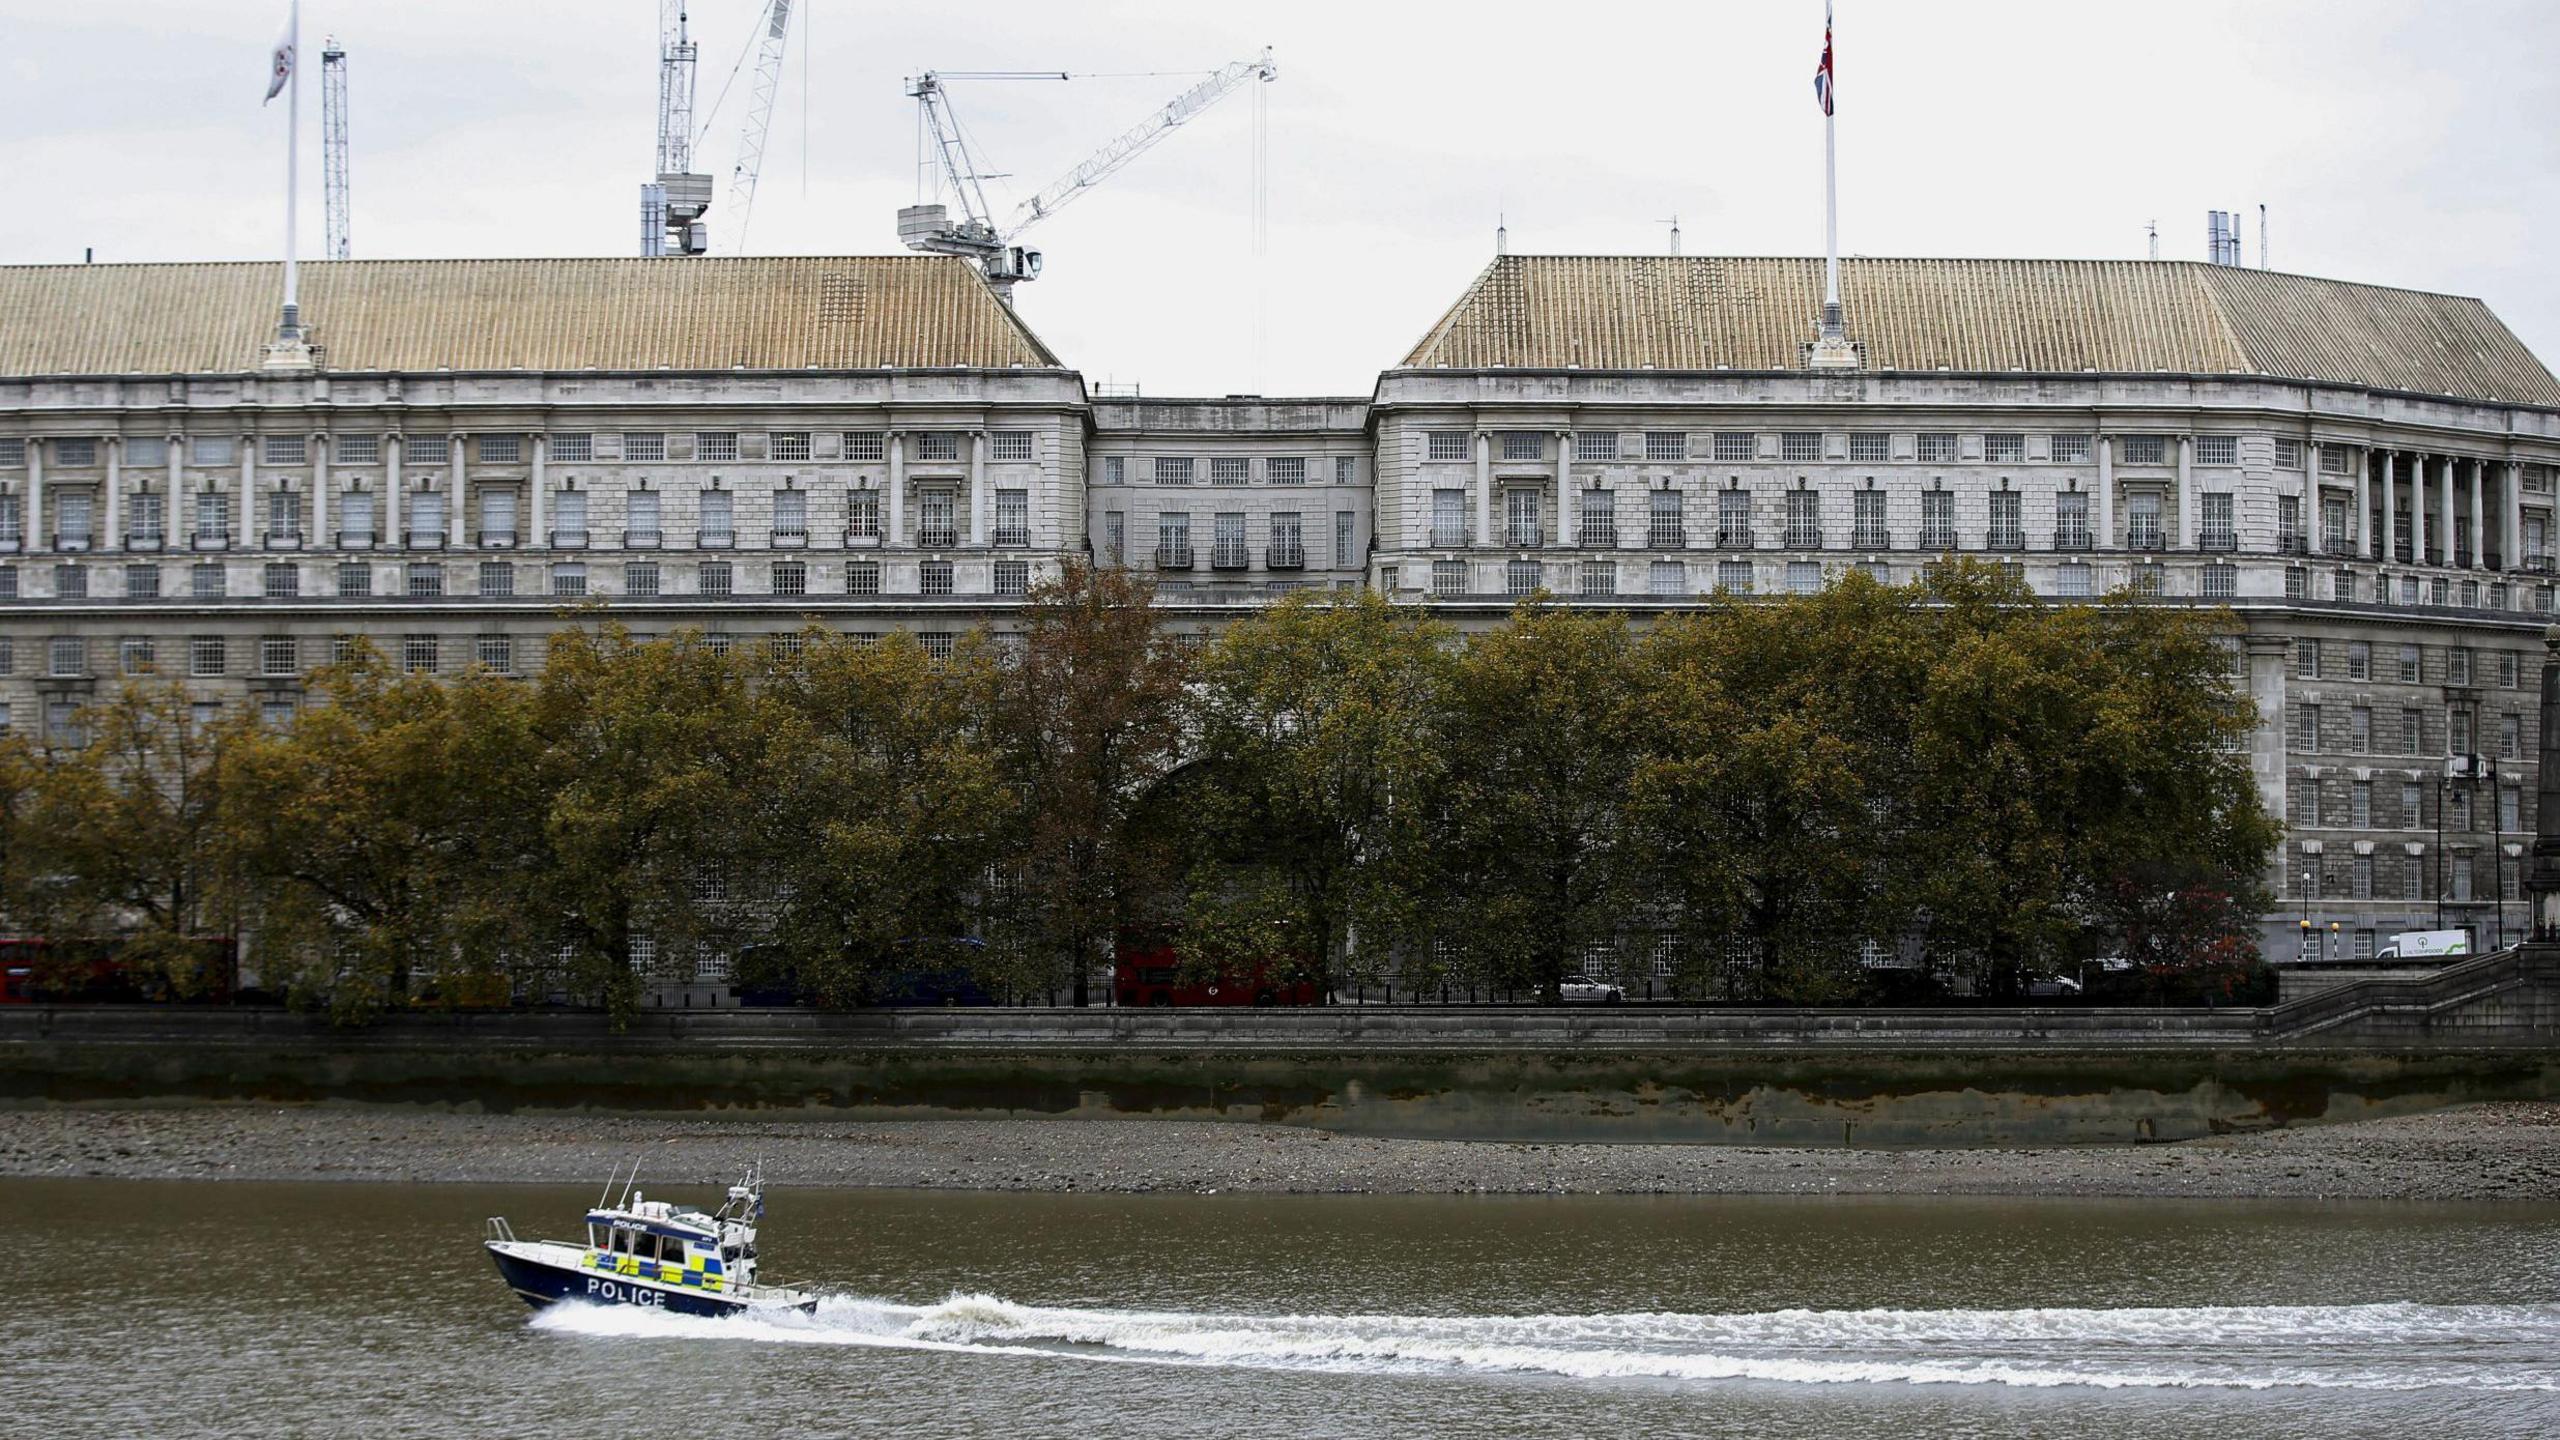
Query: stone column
{"x":2188,"y":538}
{"x":322,"y":448}
{"x":113,"y":539}
{"x":170,"y":519}
{"x":1484,"y":487}
{"x":2418,"y":509}
{"x":1568,"y":502}
{"x":35,"y":495}
{"x":978,"y":487}
{"x":894,"y":524}
{"x":2390,"y":514}
{"x":2106,"y":493}
{"x":2479,"y":519}
{"x":2444,"y":534}
{"x":459,"y":520}
{"x":394,"y":530}
{"x":2363,"y":524}
{"x":248,"y":490}
{"x":2512,"y":552}
{"x":538,"y":503}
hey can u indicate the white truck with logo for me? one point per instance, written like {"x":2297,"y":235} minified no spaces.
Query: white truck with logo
{"x":2426,"y":945}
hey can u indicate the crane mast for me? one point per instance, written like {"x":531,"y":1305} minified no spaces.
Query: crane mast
{"x":671,"y":206}
{"x":945,"y":157}
{"x":768,"y":80}
{"x":333,"y":144}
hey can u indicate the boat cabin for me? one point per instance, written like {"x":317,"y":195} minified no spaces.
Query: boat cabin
{"x":652,"y":1240}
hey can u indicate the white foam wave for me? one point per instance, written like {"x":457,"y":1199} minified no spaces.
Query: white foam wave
{"x":2381,"y":1347}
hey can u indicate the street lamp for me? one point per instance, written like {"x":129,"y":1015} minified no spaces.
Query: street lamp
{"x":2303,"y":950}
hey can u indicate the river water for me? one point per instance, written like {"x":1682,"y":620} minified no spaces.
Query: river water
{"x":256,"y":1310}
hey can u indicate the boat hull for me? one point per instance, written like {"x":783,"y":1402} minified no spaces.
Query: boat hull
{"x":539,"y":1282}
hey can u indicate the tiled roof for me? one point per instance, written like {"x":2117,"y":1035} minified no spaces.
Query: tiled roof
{"x":1702,"y":312}
{"x":705,"y":313}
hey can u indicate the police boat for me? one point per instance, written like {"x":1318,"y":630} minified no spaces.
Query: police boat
{"x":650,"y":1253}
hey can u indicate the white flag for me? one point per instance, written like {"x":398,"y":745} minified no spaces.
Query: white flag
{"x":282,"y":70}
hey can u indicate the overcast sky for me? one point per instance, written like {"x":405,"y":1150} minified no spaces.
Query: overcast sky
{"x":2402,"y":144}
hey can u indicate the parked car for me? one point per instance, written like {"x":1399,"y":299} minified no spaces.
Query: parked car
{"x":1583,"y":990}
{"x":2052,"y":987}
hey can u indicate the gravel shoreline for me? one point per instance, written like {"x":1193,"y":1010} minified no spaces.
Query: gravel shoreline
{"x":2505,"y":1151}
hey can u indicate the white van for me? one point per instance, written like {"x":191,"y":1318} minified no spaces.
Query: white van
{"x":2426,"y":945}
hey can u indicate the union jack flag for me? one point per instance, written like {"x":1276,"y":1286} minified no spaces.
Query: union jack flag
{"x":1822,"y":72}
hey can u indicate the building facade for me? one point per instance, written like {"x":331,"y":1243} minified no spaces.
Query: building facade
{"x":479,"y":452}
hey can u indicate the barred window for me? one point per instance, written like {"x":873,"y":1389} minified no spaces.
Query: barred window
{"x":76,"y":454}
{"x":790,"y":577}
{"x":1666,"y":578}
{"x":1346,"y":470}
{"x":280,"y":582}
{"x":1445,"y":445}
{"x":2221,"y":582}
{"x":789,"y":445}
{"x":1172,"y":470}
{"x":501,"y":449}
{"x":67,"y":655}
{"x":1013,"y":517}
{"x":1011,"y":445}
{"x":2334,"y":459}
{"x":1013,"y":578}
{"x":2071,"y":580}
{"x":1666,"y":445}
{"x":205,"y":657}
{"x":13,"y":451}
{"x":935,"y":578}
{"x":207,"y":582}
{"x":278,"y":655}
{"x":862,"y":515}
{"x":1595,"y":445}
{"x":497,"y":653}
{"x":790,"y":515}
{"x":1524,"y":445}
{"x":716,"y":578}
{"x":1230,"y":470}
{"x":2146,"y":449}
{"x":1736,"y":445}
{"x":421,"y":654}
{"x":135,"y":655}
{"x":428,"y":449}
{"x":863,"y":445}
{"x":937,"y":644}
{"x":2071,"y":449}
{"x":1733,"y":577}
{"x":1448,"y":577}
{"x":715,"y":445}
{"x":355,"y":579}
{"x":1598,"y":577}
{"x":1115,"y":469}
{"x":1804,"y":577}
{"x":70,"y":582}
{"x":640,"y":578}
{"x":1800,"y":445}
{"x":569,"y":579}
{"x":211,"y":449}
{"x":644,"y":445}
{"x":287,"y":450}
{"x":2217,"y":449}
{"x":938,"y":445}
{"x":1872,"y":447}
{"x":426,"y":581}
{"x":2004,"y":448}
{"x":1523,"y":577}
{"x":2288,"y":454}
{"x":1285,"y":469}
{"x":577,"y":445}
{"x":862,"y":577}
{"x":142,"y":582}
{"x":1937,"y":449}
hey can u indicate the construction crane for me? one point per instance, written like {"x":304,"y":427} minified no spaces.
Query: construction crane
{"x":672,"y":205}
{"x":767,"y":80}
{"x":333,"y":143}
{"x":944,"y":159}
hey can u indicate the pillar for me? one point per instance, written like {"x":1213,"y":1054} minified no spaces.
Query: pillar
{"x":321,"y":445}
{"x":894,"y":527}
{"x":170,"y":519}
{"x":459,"y":520}
{"x":248,"y":491}
{"x":538,"y":503}
{"x":2444,"y":533}
{"x":2512,"y":551}
{"x":35,"y":494}
{"x":2188,"y":536}
{"x":1484,"y":487}
{"x":2364,"y":503}
{"x":113,"y":539}
{"x":395,"y":524}
{"x":978,"y":487}
{"x":2479,"y":519}
{"x":2106,"y":493}
{"x":2418,"y":509}
{"x":1568,"y":503}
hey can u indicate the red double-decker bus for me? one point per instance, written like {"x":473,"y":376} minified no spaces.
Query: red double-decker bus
{"x":1151,"y":975}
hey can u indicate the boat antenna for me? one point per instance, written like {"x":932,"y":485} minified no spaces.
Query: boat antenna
{"x":606,"y":1198}
{"x":627,"y":1183}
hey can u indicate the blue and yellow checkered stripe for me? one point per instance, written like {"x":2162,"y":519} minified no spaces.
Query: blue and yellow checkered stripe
{"x":701,"y":1271}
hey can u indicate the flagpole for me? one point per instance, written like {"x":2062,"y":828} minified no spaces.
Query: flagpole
{"x":291,"y":328}
{"x":1830,"y":201}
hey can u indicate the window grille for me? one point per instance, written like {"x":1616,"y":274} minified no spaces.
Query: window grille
{"x":1872,"y":447}
{"x":1733,"y":519}
{"x":574,"y":446}
{"x":1804,"y":577}
{"x":1226,"y":542}
{"x":644,"y":445}
{"x":1172,"y":470}
{"x":1937,"y":448}
{"x":790,"y":516}
{"x":715,"y":523}
{"x":142,"y":582}
{"x":1445,"y":445}
{"x":1800,"y":445}
{"x":286,"y":450}
{"x":1599,"y":520}
{"x":2008,"y":526}
{"x":1736,"y":445}
{"x":1448,"y":577}
{"x":715,"y":445}
{"x":1229,"y":470}
{"x":1733,"y":577}
{"x":1867,"y":521}
{"x":278,"y":655}
{"x":1523,"y":577}
{"x":2217,"y":449}
{"x":1013,"y":578}
{"x":1448,"y":519}
{"x":1521,"y":522}
{"x":1666,"y":445}
{"x":1288,"y":547}
{"x":864,"y":445}
{"x":2004,"y":449}
{"x":2146,"y":450}
{"x":1804,"y":520}
{"x":862,"y":577}
{"x":1524,"y":445}
{"x":280,"y":582}
{"x":211,"y":449}
{"x":2071,"y":449}
{"x":862,"y":515}
{"x":1937,"y":520}
{"x":715,"y":578}
{"x":134,"y":655}
{"x":2071,"y":580}
{"x":789,"y":445}
{"x":1598,"y":577}
{"x":640,"y":578}
{"x":1663,"y":527}
{"x":1285,"y":469}
{"x":496,"y":653}
{"x":426,"y":582}
{"x":2217,"y":529}
{"x":427,"y":449}
{"x":501,"y":449}
{"x":790,"y":577}
{"x":1013,"y":517}
{"x":1009,"y":446}
{"x":13,"y":452}
{"x":1595,"y":445}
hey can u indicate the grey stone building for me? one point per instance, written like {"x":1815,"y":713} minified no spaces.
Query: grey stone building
{"x":747,"y":446}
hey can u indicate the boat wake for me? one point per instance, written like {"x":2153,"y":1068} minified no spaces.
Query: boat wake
{"x":2363,"y":1347}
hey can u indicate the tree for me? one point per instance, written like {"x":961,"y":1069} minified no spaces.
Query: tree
{"x":1536,"y":854}
{"x":1087,"y":718}
{"x":888,"y":806}
{"x":1320,"y":749}
{"x":381,"y":843}
{"x":123,"y":823}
